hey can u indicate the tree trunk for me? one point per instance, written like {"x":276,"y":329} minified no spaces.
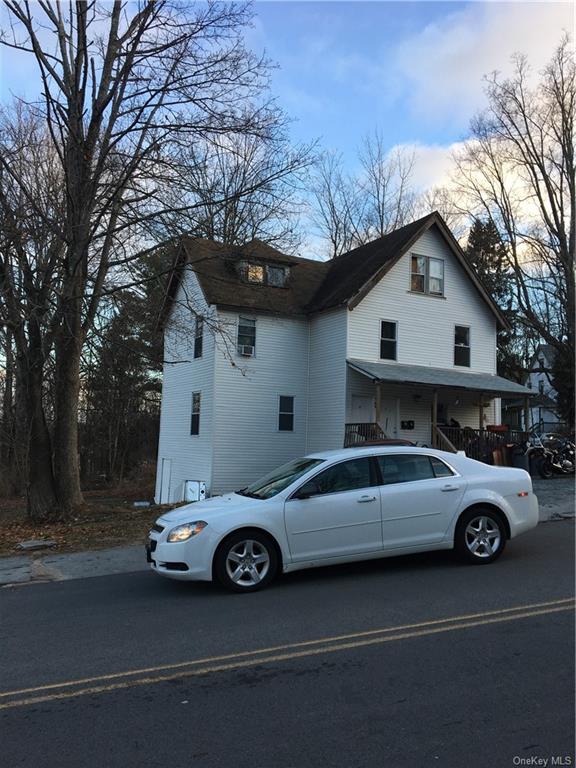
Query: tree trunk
{"x":66,"y":458}
{"x":41,"y":492}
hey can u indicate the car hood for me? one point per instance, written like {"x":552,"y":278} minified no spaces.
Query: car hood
{"x":209,"y":509}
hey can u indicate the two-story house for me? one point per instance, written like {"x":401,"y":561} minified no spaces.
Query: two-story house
{"x":269,"y":356}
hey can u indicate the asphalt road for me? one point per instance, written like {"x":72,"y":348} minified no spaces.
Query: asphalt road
{"x":416,"y":661}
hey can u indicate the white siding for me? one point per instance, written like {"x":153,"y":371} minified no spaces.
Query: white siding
{"x":425,"y":323}
{"x":327,"y":381}
{"x":247,"y":441}
{"x":191,"y":455}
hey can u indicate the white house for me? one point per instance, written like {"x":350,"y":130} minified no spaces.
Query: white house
{"x":543,"y":410}
{"x":269,"y":356}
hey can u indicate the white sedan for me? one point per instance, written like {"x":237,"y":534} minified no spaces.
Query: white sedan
{"x":340,"y":506}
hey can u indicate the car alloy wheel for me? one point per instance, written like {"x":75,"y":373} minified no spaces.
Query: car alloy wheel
{"x":480,"y":536}
{"x":247,"y":560}
{"x":247,"y":563}
{"x":483,"y":537}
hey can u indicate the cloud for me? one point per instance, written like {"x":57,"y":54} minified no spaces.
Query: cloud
{"x":444,"y":63}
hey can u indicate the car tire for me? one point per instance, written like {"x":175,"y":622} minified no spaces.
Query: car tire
{"x":246,"y":561}
{"x":480,"y":536}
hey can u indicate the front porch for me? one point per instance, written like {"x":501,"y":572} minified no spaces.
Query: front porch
{"x":451,"y":410}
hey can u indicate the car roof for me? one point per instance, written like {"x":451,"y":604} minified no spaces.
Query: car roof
{"x":378,"y":450}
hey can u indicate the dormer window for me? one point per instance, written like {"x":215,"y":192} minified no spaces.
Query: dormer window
{"x":274,"y":275}
{"x":427,"y":275}
{"x":255,"y":273}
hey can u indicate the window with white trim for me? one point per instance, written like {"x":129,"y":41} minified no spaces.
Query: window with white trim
{"x":195,"y":418}
{"x":462,"y":346}
{"x":427,"y":275}
{"x":286,"y":413}
{"x":246,"y":334}
{"x":388,"y":340}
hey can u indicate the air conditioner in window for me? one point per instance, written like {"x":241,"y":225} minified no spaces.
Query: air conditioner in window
{"x":246,"y":350}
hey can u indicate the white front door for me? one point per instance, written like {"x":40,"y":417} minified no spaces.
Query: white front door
{"x":341,"y":518}
{"x":389,"y":417}
{"x":362,"y":410}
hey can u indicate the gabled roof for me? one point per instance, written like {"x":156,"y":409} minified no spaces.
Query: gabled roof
{"x":313,"y":286}
{"x":353,"y":274}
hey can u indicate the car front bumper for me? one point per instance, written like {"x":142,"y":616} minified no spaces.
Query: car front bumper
{"x":183,"y":560}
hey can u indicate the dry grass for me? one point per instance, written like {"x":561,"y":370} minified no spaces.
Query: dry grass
{"x":107,"y":519}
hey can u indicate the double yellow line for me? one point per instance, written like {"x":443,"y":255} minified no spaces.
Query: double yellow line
{"x":196,"y":667}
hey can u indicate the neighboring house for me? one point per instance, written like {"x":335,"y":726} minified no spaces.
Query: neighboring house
{"x":271,"y":356}
{"x":543,"y":411}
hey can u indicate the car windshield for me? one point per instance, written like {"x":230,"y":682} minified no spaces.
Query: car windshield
{"x":279,"y":479}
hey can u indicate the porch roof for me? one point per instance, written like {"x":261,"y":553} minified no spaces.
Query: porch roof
{"x":439,"y":377}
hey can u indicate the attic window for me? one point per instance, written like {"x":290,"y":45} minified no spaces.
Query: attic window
{"x":264,"y":274}
{"x":276,"y":276}
{"x":427,"y":275}
{"x":255,"y":273}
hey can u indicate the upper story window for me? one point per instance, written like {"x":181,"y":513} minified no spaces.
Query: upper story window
{"x":246,"y":336}
{"x":255,"y":273}
{"x":274,"y":275}
{"x":388,"y":335}
{"x":198,"y":336}
{"x":462,"y":346}
{"x":427,"y":275}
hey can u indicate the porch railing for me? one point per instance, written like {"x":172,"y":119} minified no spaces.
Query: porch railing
{"x":357,"y":434}
{"x":477,"y":443}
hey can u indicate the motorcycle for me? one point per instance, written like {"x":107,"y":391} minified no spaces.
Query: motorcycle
{"x":557,"y":457}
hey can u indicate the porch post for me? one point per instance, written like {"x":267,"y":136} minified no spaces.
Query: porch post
{"x":526,"y":414}
{"x":378,"y":401}
{"x":434,"y":416}
{"x":481,"y":410}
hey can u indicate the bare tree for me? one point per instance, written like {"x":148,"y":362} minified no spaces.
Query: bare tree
{"x":124,"y":87}
{"x":518,"y":169}
{"x":353,"y":209}
{"x":385,"y":187}
{"x":244,"y":188}
{"x":337,"y":206}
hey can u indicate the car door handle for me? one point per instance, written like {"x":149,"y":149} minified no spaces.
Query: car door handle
{"x":365,"y":499}
{"x":450,"y":488}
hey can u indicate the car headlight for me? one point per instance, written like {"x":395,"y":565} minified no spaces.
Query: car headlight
{"x":186,"y":531}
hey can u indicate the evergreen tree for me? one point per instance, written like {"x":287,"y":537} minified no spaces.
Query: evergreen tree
{"x":487,"y":254}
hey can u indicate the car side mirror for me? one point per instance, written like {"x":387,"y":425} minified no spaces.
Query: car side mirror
{"x":311,"y":488}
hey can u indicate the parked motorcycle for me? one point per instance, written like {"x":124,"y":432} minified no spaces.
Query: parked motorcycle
{"x":557,"y":457}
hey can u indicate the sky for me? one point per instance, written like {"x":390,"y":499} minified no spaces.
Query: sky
{"x":412,"y":70}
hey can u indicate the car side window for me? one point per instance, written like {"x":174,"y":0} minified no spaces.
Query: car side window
{"x":346,"y":476}
{"x":405,"y":468}
{"x":440,"y":469}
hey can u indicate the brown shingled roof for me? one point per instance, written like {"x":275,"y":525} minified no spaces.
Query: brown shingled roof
{"x":213,"y":264}
{"x":313,"y":286}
